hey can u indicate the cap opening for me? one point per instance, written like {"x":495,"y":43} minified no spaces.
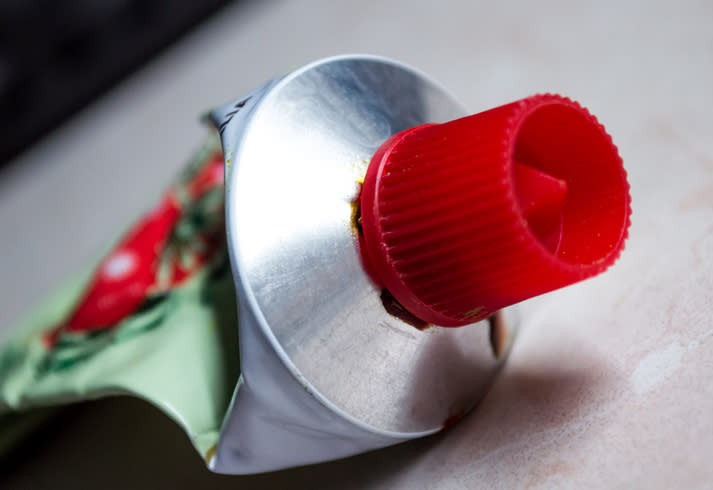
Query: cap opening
{"x":563,"y":141}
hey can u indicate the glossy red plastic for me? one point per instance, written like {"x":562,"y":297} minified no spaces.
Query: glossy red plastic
{"x":463,"y":218}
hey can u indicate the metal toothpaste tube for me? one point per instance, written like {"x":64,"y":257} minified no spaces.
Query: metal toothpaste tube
{"x":362,"y":216}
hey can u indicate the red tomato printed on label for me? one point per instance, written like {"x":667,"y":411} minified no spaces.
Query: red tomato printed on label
{"x":162,"y":250}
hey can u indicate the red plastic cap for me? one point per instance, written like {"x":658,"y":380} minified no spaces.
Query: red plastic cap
{"x":463,"y":218}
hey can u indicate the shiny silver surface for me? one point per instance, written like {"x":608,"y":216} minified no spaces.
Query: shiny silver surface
{"x":293,"y":181}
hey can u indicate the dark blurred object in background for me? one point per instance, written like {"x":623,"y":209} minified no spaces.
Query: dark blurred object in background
{"x":57,"y":55}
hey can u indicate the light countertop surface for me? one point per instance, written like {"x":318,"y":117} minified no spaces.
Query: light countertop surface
{"x":610,"y":384}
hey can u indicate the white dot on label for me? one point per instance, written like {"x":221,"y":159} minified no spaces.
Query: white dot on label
{"x":119,"y":266}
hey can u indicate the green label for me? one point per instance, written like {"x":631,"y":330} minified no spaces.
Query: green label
{"x":156,"y":319}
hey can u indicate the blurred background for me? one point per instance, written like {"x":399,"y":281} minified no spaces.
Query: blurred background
{"x":57,"y":56}
{"x":99,"y":108}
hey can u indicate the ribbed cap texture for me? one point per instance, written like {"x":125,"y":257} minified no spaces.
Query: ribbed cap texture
{"x":447,"y":208}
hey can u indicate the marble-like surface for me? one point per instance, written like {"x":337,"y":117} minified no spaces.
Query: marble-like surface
{"x":611,"y":383}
